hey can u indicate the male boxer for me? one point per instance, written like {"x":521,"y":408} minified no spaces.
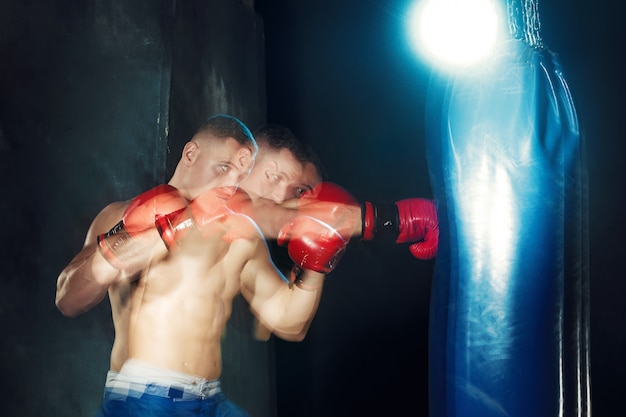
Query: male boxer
{"x":168,"y":202}
{"x":221,"y":153}
{"x":173,"y":265}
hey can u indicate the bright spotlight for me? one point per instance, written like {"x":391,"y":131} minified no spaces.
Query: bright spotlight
{"x":454,"y":32}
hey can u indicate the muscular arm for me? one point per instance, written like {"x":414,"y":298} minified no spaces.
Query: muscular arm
{"x":271,"y":216}
{"x":287,"y":311}
{"x":412,"y":220}
{"x":84,"y":282}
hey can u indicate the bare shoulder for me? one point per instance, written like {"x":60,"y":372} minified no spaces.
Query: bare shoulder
{"x":108,"y":217}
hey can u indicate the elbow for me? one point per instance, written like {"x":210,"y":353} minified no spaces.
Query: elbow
{"x":61,"y":299}
{"x":293,"y":336}
{"x":286,"y":334}
{"x":298,"y":337}
{"x":65,"y":308}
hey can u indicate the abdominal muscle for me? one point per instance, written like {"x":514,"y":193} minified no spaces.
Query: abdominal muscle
{"x":181,"y":305}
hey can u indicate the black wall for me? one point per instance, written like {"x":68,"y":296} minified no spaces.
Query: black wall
{"x":96,"y":102}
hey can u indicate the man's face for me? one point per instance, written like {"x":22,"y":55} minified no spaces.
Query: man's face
{"x":279,"y":176}
{"x":218,"y":164}
{"x":310,"y":176}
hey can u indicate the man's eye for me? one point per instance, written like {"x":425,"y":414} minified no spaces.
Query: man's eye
{"x":300,"y":191}
{"x":224,"y":168}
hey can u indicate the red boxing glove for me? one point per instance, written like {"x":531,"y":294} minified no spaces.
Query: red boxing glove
{"x":319,"y":235}
{"x":312,"y":244}
{"x":157,"y":207}
{"x":146,"y":208}
{"x":406,"y":221}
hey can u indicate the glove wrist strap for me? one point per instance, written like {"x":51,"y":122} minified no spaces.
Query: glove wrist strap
{"x":367,"y":220}
{"x":111,"y":243}
{"x":171,"y":226}
{"x":296,"y":278}
{"x":380,"y":221}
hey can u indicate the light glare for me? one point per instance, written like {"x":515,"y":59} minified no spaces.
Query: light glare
{"x":454,"y":32}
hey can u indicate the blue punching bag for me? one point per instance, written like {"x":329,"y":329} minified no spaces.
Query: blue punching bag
{"x":509,"y":314}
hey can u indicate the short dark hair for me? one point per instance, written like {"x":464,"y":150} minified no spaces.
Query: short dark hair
{"x":279,"y":137}
{"x":225,"y":126}
{"x":317,"y":162}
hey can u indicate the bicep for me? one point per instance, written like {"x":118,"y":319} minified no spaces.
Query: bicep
{"x":102,"y":223}
{"x":261,"y":280}
{"x":80,"y":284}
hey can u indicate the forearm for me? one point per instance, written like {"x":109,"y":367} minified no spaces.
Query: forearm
{"x":307,"y":289}
{"x":347,"y":220}
{"x":271,"y":217}
{"x":84,"y":283}
{"x":289,"y":313}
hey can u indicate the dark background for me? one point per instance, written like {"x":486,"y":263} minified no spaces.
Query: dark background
{"x":82,"y":89}
{"x":341,"y":75}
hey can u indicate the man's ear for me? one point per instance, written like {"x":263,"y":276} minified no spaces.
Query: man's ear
{"x":245,"y":157}
{"x":270,"y":167}
{"x":190,"y":153}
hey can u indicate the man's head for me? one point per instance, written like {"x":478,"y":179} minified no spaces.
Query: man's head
{"x":285,"y":167}
{"x":220,"y":154}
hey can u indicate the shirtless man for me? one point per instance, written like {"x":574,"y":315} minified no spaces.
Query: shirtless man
{"x":179,"y":300}
{"x":210,"y":254}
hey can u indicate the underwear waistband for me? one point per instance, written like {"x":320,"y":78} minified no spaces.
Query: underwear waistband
{"x":136,"y":378}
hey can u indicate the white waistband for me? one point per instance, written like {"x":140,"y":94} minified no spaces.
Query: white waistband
{"x":138,"y":376}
